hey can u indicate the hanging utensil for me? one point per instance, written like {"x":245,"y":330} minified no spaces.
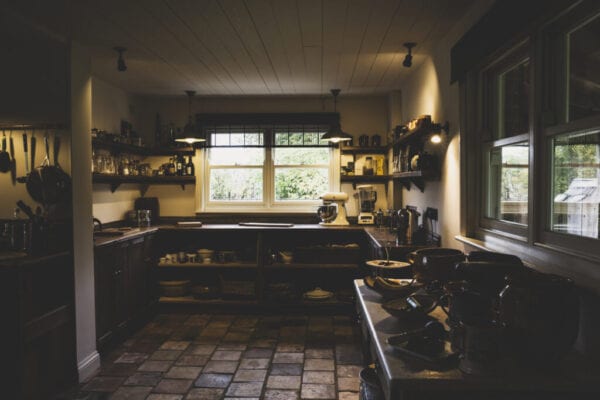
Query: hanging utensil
{"x":23,"y":179}
{"x":34,"y":179}
{"x":13,"y":161}
{"x":56,"y":182}
{"x":4,"y":156}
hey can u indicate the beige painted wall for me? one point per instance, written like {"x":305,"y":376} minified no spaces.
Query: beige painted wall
{"x":109,"y":106}
{"x":428,"y":92}
{"x":88,"y":360}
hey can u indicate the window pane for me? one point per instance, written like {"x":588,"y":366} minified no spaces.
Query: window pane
{"x":575,"y":182}
{"x":236,"y":156}
{"x":584,"y":79}
{"x":300,"y":183}
{"x":236,"y":184}
{"x":514,"y":101}
{"x":300,"y":156}
{"x":508,"y":183}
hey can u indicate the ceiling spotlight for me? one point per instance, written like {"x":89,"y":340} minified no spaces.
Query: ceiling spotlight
{"x":408,"y":59}
{"x":120,"y":61}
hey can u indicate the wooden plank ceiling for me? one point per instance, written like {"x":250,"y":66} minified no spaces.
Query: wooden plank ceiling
{"x":260,"y":47}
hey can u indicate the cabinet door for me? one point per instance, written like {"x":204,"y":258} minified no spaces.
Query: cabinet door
{"x":137,"y":290}
{"x":150,"y":258}
{"x":104,"y":262}
{"x":120,"y":281}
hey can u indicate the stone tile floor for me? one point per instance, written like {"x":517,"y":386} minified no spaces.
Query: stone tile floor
{"x":213,"y":356}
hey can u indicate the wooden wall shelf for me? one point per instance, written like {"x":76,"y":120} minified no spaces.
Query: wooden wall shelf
{"x":417,"y":178}
{"x":364,"y":150}
{"x":118,"y":148}
{"x":354,"y":179}
{"x":117,"y":180}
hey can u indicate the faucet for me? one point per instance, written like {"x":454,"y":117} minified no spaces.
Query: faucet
{"x":97,"y":222}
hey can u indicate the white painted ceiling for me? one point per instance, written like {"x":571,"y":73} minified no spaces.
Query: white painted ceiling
{"x":260,"y":47}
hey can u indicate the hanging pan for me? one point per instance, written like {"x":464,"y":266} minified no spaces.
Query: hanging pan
{"x":56,"y":182}
{"x":34,"y":179}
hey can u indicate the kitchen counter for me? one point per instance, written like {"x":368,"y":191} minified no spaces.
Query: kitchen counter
{"x":404,"y":377}
{"x":128,"y":235}
{"x":11,"y":259}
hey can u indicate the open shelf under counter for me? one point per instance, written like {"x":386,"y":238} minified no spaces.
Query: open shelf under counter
{"x":194,"y":300}
{"x":301,"y":266}
{"x":208,"y":265}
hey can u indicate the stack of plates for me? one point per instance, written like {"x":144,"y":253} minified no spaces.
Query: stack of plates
{"x":318,"y":294}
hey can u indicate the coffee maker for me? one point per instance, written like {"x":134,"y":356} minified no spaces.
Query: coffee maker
{"x":367,"y":197}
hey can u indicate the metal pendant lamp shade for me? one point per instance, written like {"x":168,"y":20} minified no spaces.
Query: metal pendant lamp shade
{"x":190,"y":133}
{"x":335,"y":133}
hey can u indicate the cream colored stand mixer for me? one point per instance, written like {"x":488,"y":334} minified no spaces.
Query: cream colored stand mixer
{"x":333,"y":210}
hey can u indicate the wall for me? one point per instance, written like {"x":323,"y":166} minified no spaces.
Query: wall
{"x":88,"y":359}
{"x":110,"y":105}
{"x":428,"y":92}
{"x":359,"y":115}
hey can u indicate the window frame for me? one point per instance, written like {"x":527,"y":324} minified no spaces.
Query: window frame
{"x":269,"y":204}
{"x":549,"y":115}
{"x":489,"y":137}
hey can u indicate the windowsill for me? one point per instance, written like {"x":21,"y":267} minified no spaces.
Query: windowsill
{"x":582,"y":268}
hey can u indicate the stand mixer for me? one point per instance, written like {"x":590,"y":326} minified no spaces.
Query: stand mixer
{"x":333,"y":210}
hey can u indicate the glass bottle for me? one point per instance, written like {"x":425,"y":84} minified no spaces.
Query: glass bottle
{"x":189,"y":167}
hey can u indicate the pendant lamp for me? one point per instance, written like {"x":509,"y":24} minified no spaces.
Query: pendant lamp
{"x":335,"y":133}
{"x":190,"y":133}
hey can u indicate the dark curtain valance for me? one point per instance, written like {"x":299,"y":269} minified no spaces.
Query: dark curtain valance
{"x":505,"y":20}
{"x":266,"y":129}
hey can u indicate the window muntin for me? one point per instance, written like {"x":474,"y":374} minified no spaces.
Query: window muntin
{"x":508,"y":183}
{"x":293,"y":171}
{"x":576,"y":183}
{"x":513,"y":100}
{"x":583,"y":47}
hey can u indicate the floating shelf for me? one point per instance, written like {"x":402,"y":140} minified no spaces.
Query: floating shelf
{"x":117,"y":180}
{"x":364,"y":150}
{"x":417,"y":178}
{"x":419,"y":133}
{"x":354,"y":179}
{"x":117,"y":148}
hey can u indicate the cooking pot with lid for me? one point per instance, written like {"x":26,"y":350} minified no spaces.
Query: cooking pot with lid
{"x":434,"y":263}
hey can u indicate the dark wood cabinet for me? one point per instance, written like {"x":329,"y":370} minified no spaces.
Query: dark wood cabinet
{"x":37,"y":341}
{"x":122,"y":283}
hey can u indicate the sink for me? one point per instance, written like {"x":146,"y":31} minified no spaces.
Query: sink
{"x":115,"y":231}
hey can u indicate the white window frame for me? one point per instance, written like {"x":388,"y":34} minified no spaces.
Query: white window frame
{"x":268,"y":204}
